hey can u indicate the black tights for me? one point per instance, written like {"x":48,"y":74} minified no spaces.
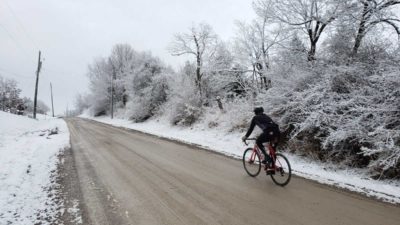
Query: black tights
{"x":264,"y":137}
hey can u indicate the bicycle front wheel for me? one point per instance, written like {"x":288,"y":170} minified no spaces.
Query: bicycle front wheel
{"x":283,"y":171}
{"x":251,"y":162}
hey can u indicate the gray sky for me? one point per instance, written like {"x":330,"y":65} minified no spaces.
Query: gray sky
{"x":71,"y":33}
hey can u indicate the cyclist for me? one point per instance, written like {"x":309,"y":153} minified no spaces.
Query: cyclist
{"x":270,"y":133}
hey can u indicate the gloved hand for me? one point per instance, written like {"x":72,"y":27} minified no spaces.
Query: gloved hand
{"x":244,"y":138}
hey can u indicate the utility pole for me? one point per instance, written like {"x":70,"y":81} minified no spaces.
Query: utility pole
{"x":36,"y":87}
{"x":52,"y":105}
{"x":112,"y":91}
{"x":67,"y":111}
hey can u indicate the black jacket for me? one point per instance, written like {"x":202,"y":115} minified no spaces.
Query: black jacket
{"x":263,"y":121}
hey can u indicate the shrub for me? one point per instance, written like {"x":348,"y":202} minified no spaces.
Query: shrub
{"x":345,"y":114}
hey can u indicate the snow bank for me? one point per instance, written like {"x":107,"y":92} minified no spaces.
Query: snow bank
{"x":230,"y":144}
{"x":28,"y":163}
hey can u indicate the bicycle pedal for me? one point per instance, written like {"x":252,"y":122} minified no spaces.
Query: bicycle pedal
{"x":270,"y":172}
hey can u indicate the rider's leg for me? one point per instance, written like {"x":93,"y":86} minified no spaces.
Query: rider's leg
{"x":260,"y":140}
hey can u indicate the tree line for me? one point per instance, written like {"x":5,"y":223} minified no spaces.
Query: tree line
{"x":11,"y":101}
{"x":326,"y":70}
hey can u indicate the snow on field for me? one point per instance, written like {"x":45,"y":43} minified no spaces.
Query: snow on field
{"x":230,"y":144}
{"x":28,"y":163}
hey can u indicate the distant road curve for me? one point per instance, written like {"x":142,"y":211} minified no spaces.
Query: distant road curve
{"x":132,"y":178}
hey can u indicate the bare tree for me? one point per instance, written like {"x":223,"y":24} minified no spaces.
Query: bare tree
{"x":310,"y":16}
{"x":200,"y":42}
{"x":372,"y":13}
{"x":254,"y":43}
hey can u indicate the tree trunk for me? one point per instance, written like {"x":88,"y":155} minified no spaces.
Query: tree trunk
{"x":361,"y":30}
{"x":357,"y":44}
{"x":311,"y":53}
{"x":264,"y":71}
{"x":358,"y":39}
{"x":220,"y":106}
{"x":198,"y":76}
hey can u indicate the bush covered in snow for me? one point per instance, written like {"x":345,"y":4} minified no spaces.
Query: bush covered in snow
{"x":348,"y":115}
{"x":11,"y":101}
{"x":344,"y":114}
{"x":234,"y":117}
{"x":183,"y":106}
{"x":146,"y":87}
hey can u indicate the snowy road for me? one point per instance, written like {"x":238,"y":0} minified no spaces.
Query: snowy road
{"x":131,"y":178}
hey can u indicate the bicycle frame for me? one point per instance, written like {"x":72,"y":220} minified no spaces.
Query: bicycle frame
{"x":256,"y":149}
{"x":272,"y":154}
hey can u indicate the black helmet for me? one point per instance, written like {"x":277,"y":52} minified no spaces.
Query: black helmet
{"x":258,"y":110}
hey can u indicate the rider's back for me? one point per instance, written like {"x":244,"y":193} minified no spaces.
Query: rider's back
{"x":263,"y":121}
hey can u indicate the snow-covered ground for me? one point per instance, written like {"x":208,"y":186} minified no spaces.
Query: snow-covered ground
{"x":230,"y":144}
{"x":28,"y":164}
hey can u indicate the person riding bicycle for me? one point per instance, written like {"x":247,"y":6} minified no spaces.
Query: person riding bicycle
{"x":270,"y":133}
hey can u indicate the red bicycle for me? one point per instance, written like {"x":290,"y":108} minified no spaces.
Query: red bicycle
{"x":281,"y":166}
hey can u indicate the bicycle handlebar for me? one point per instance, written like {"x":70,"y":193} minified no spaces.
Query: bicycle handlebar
{"x":249,"y":139}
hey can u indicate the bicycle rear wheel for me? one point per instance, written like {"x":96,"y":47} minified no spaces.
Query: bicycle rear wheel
{"x":283,"y":171}
{"x":251,"y":162}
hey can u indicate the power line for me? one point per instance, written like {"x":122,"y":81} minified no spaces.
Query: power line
{"x":45,"y":71}
{"x":6,"y":73}
{"x":21,"y":25}
{"x":15,"y":74}
{"x":14,"y":39}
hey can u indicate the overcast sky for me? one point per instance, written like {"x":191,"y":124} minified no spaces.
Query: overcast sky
{"x":71,"y":33}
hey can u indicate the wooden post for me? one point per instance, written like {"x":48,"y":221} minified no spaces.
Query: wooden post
{"x":52,"y":105}
{"x":36,"y":87}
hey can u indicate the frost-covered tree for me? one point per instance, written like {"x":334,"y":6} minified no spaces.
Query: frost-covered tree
{"x":339,"y":42}
{"x":28,"y":104}
{"x":255,"y":42}
{"x":253,"y":46}
{"x":100,"y":75}
{"x":82,"y":102}
{"x":368,"y":14}
{"x":199,"y":41}
{"x":134,"y":79}
{"x":107,"y":78}
{"x":310,"y":16}
{"x":184,"y":104}
{"x":374,"y":49}
{"x":146,"y":86}
{"x":292,"y":51}
{"x":9,"y":95}
{"x":121,"y":60}
{"x":344,"y":114}
{"x":224,"y":76}
{"x":42,"y":108}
